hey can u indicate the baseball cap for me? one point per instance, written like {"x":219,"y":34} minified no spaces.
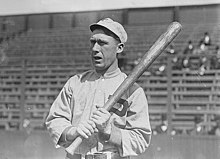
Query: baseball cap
{"x":113,"y":26}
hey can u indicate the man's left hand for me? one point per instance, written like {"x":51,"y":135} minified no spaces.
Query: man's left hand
{"x":101,"y":118}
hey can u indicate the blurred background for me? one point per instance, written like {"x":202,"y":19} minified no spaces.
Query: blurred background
{"x":45,"y":42}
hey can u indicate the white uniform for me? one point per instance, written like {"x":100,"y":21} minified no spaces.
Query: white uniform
{"x":78,"y":99}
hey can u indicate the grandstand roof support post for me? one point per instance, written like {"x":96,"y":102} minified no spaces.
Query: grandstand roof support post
{"x":73,"y":22}
{"x":125,"y":17}
{"x":176,"y":13}
{"x":3,"y":28}
{"x":22,"y":97}
{"x":26,"y":23}
{"x":169,"y":94}
{"x":51,"y":21}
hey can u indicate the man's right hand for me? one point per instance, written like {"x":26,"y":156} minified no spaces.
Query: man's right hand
{"x":86,"y":129}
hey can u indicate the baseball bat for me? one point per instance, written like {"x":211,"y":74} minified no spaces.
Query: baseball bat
{"x":156,"y":49}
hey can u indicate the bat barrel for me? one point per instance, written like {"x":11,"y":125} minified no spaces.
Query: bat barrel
{"x":156,"y":49}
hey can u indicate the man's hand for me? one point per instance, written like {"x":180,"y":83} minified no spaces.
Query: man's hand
{"x":86,"y":129}
{"x":101,"y":118}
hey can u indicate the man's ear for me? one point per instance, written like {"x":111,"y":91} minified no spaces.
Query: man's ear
{"x":120,"y":48}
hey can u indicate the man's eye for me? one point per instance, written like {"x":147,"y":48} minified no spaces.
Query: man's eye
{"x":92,"y":41}
{"x":101,"y":42}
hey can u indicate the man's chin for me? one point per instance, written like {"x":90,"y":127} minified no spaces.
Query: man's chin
{"x":98,"y":67}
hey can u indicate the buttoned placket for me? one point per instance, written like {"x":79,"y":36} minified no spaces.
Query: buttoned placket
{"x":100,"y":98}
{"x":100,"y":93}
{"x":99,"y":101}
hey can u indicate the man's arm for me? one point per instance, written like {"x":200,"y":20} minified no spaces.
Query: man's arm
{"x":59,"y":117}
{"x":84,"y":129}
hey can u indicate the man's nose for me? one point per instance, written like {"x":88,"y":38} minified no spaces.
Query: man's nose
{"x":96,"y":47}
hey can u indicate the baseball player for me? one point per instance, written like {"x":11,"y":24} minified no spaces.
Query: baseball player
{"x":78,"y":109}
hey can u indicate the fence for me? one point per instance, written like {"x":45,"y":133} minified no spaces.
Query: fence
{"x":28,"y":87}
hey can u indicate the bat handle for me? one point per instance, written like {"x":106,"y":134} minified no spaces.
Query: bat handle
{"x":73,"y":146}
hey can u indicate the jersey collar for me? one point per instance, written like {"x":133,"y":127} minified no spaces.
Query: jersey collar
{"x":107,"y":75}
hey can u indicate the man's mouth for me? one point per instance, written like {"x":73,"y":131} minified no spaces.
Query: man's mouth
{"x":97,"y":58}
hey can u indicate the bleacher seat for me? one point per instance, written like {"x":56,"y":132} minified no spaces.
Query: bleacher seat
{"x":45,"y":59}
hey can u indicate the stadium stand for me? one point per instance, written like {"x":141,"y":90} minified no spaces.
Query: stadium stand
{"x":40,"y":61}
{"x":39,"y":51}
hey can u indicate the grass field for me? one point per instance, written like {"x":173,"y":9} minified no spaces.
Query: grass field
{"x":38,"y":145}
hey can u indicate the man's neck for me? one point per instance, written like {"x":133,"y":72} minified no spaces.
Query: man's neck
{"x":108,"y":73}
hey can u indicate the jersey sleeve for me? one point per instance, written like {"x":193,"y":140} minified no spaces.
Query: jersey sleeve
{"x":136,"y":136}
{"x":59,"y":117}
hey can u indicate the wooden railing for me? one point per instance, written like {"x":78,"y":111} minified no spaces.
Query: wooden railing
{"x":39,"y":62}
{"x":28,"y":87}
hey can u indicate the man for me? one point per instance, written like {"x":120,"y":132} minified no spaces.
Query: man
{"x":161,"y":128}
{"x":206,"y":39}
{"x":198,"y":128}
{"x":77,"y":110}
{"x":216,"y":128}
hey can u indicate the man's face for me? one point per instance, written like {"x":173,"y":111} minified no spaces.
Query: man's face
{"x":104,"y":49}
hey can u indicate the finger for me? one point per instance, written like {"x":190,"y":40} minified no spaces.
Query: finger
{"x":102,"y":110}
{"x":96,"y":130}
{"x":86,"y":129}
{"x":96,"y":116}
{"x":94,"y":119}
{"x":92,"y":124}
{"x":89,"y":129}
{"x":98,"y":113}
{"x":97,"y":119}
{"x":81,"y":133}
{"x":101,"y":115}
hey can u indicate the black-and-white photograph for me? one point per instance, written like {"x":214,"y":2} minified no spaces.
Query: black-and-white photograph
{"x":109,"y":79}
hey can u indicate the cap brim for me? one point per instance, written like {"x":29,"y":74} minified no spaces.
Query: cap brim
{"x":95,"y":26}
